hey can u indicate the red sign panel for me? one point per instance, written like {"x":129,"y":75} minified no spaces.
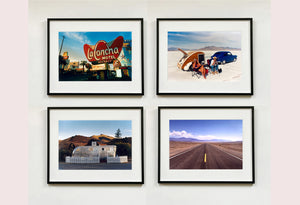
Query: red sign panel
{"x":102,"y":53}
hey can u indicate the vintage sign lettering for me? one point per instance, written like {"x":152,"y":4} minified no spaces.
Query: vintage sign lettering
{"x":101,"y":52}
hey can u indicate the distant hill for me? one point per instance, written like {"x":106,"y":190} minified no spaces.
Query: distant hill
{"x":125,"y":140}
{"x":183,"y":139}
{"x":173,"y":49}
{"x":104,"y":139}
{"x":79,"y":140}
{"x":215,"y":48}
{"x":207,"y":48}
{"x":176,"y":49}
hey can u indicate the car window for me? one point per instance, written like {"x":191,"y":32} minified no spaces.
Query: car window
{"x":229,"y":54}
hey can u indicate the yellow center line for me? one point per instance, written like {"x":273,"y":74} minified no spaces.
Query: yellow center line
{"x":205,"y":158}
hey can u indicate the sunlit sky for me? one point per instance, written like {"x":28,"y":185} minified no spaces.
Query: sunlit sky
{"x":69,"y":128}
{"x":196,"y":40}
{"x":229,"y":130}
{"x":74,"y":41}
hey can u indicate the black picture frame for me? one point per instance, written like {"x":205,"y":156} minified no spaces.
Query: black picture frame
{"x":141,"y":56}
{"x":119,"y":109}
{"x":167,"y":93}
{"x":251,"y":181}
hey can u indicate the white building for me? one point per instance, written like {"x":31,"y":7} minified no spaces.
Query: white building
{"x":94,"y":153}
{"x":102,"y":151}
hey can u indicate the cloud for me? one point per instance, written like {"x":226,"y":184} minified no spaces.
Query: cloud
{"x":206,"y":137}
{"x":176,"y":34}
{"x":179,"y":134}
{"x":81,"y":38}
{"x":206,"y":38}
{"x":185,"y":134}
{"x":228,"y":38}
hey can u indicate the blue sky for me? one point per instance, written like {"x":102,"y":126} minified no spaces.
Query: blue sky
{"x":74,"y":41}
{"x":200,"y":39}
{"x":68,"y":128}
{"x":230,"y":130}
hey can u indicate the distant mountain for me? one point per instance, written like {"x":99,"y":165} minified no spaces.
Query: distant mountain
{"x":207,"y":48}
{"x":103,"y":139}
{"x":218,"y":140}
{"x":79,"y":140}
{"x":172,"y":49}
{"x":176,"y":49}
{"x":215,"y":48}
{"x":183,"y":139}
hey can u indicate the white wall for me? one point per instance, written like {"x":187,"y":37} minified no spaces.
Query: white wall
{"x":151,"y":192}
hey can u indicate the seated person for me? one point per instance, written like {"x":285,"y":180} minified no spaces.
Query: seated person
{"x":214,"y":65}
{"x":203,"y":71}
{"x":197,"y":66}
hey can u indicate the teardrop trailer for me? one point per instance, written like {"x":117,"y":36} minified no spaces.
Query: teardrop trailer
{"x":189,"y":57}
{"x":186,"y":63}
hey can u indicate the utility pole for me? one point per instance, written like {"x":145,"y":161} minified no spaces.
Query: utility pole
{"x":62,"y":42}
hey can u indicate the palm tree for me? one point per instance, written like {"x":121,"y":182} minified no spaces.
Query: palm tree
{"x":88,"y":66}
{"x":83,"y":63}
{"x":89,"y":73}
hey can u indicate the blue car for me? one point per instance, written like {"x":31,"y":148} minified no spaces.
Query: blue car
{"x":224,"y":57}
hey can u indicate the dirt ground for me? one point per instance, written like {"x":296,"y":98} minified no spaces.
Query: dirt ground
{"x":234,"y":148}
{"x":177,"y":147}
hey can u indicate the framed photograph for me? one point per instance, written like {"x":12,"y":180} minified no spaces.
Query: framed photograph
{"x":95,"y":56}
{"x":95,"y":145}
{"x":206,"y":145}
{"x":204,"y":56}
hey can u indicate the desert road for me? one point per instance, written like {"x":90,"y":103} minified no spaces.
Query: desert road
{"x":205,"y":156}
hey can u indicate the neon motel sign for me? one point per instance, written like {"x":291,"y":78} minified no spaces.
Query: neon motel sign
{"x":101,"y":52}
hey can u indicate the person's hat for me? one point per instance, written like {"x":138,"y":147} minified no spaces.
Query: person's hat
{"x":215,"y":57}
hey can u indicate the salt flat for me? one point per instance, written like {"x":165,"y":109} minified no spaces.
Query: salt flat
{"x":230,"y":71}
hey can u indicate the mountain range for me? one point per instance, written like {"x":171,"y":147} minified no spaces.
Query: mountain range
{"x":184,"y":139}
{"x":79,"y":140}
{"x":207,"y":48}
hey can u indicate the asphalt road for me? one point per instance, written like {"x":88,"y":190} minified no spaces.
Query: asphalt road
{"x":205,"y":156}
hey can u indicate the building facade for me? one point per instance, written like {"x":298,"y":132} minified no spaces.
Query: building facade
{"x":92,"y":154}
{"x":102,"y":151}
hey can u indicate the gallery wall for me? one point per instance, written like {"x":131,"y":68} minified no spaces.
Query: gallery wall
{"x":151,"y":192}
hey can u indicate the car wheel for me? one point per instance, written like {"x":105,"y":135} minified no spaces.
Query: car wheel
{"x":223,"y":62}
{"x":234,"y":60}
